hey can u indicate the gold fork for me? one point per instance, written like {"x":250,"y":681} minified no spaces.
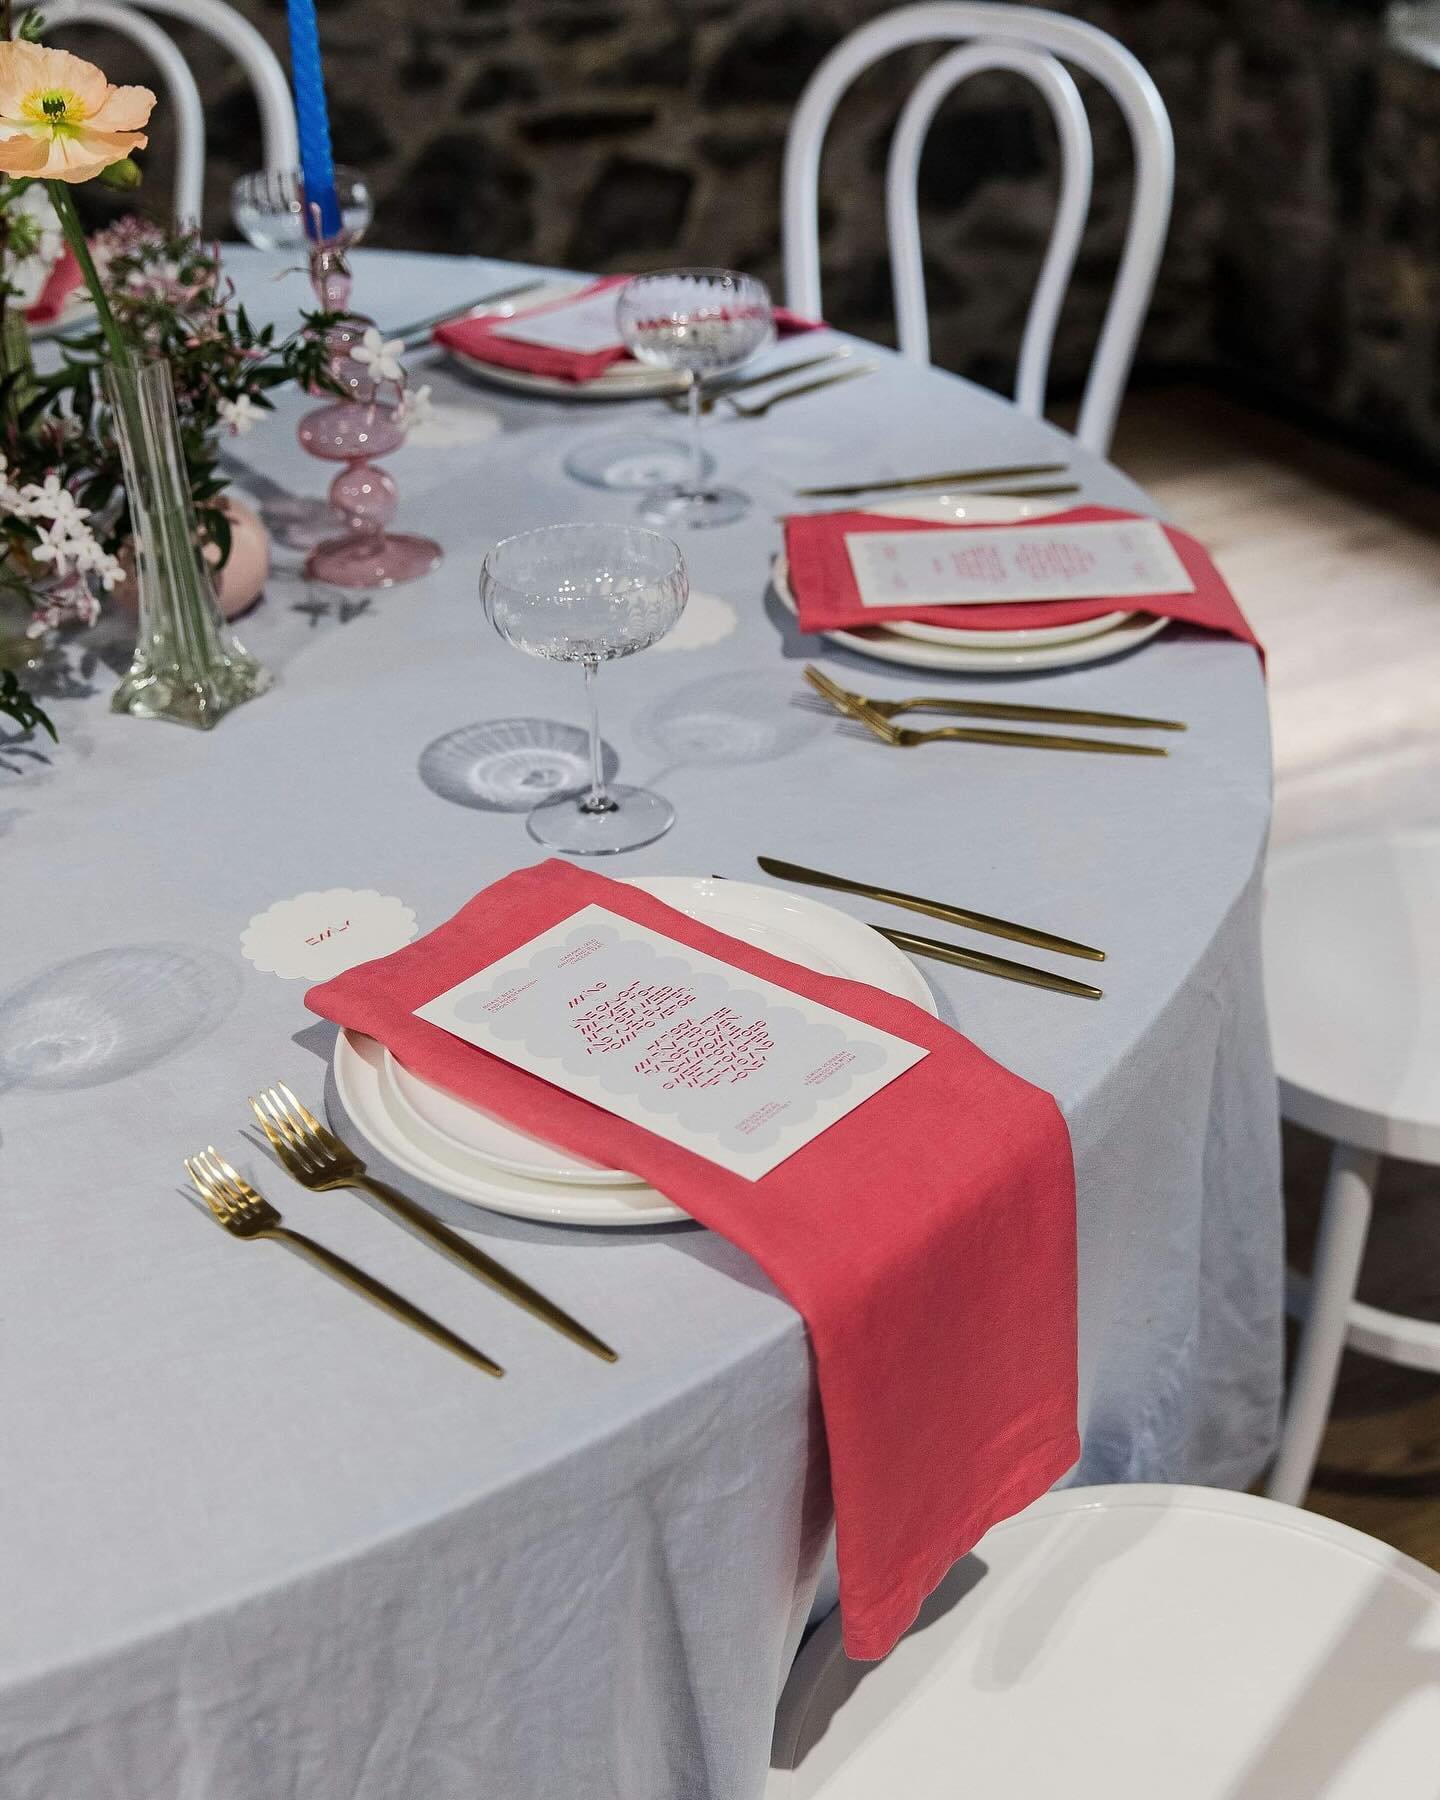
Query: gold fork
{"x":982,"y":709}
{"x":317,"y":1159}
{"x":861,"y":710}
{"x":757,"y":409}
{"x":710,"y":397}
{"x":246,"y":1214}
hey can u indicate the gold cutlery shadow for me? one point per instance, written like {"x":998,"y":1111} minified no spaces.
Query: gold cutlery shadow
{"x":244,"y":1213}
{"x":935,"y":909}
{"x":984,"y":709}
{"x":984,"y":964}
{"x":318,"y":1160}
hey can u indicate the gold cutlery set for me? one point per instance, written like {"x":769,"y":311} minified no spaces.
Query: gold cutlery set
{"x":315,"y":1158}
{"x":980,"y":961}
{"x":878,"y":717}
{"x":722,"y":392}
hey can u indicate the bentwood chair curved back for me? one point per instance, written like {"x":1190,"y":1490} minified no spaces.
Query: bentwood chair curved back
{"x":1123,"y":1643}
{"x":1036,"y":45}
{"x":129,"y":19}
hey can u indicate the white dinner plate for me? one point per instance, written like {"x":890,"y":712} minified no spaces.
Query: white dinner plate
{"x":983,"y":652}
{"x":621,"y":381}
{"x":963,"y":659}
{"x":456,"y":1154}
{"x":472,"y":1131}
{"x":960,"y":508}
{"x":625,"y":380}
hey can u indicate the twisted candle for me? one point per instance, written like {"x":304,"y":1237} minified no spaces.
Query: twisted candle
{"x":317,"y":166}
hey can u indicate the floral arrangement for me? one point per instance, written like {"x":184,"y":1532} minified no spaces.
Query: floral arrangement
{"x":156,"y":292}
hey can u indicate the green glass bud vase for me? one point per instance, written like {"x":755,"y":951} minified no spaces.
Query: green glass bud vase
{"x":188,"y":665}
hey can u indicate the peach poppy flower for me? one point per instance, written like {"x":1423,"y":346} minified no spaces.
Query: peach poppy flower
{"x":60,"y":119}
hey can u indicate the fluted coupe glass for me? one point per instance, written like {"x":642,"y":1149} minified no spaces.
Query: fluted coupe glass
{"x":268,"y":208}
{"x":702,"y":322}
{"x":588,"y":594}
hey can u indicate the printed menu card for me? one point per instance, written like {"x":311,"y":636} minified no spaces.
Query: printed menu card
{"x":721,"y":1062}
{"x":1120,"y":559}
{"x":585,"y":324}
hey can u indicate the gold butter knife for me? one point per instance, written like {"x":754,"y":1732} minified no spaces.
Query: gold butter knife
{"x":935,"y":909}
{"x":988,"y":965}
{"x":987,"y":709}
{"x":1001,"y":472}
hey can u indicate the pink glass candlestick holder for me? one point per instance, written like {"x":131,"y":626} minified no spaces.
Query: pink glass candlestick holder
{"x":368,"y":422}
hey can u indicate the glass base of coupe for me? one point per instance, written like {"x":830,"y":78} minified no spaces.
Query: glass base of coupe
{"x":588,"y":594}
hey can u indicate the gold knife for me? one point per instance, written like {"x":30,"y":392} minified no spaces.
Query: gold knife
{"x":987,"y":709}
{"x":1001,"y":472}
{"x":935,"y":909}
{"x":988,"y":965}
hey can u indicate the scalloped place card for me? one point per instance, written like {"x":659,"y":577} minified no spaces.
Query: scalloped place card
{"x":721,"y":1062}
{"x":314,"y":936}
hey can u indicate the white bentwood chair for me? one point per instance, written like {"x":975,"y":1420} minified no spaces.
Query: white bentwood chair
{"x":1352,"y":984}
{"x":1136,"y":1643}
{"x":128,"y":18}
{"x":1031,"y":43}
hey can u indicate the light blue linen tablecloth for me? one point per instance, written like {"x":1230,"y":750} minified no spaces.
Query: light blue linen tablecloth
{"x":257,"y":1544}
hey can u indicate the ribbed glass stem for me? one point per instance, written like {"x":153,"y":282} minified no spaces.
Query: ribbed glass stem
{"x":188,"y":665}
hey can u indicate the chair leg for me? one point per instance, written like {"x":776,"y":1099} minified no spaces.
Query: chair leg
{"x":1344,"y":1226}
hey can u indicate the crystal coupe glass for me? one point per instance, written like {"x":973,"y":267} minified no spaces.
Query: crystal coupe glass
{"x":588,"y":594}
{"x":702,"y":322}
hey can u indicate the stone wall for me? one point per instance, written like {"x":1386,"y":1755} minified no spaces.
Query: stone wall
{"x":1304,"y":257}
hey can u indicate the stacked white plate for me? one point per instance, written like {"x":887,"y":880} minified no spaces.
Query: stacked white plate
{"x":474,"y":1156}
{"x":624,"y":380}
{"x":983,"y":652}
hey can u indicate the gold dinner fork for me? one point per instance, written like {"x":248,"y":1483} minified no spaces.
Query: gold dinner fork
{"x":317,"y":1159}
{"x":860,"y":709}
{"x":981,"y":709}
{"x":246,"y":1214}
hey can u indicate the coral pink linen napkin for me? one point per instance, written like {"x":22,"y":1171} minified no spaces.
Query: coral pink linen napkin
{"x":823,"y":582}
{"x":927,"y":1238}
{"x":478,"y":338}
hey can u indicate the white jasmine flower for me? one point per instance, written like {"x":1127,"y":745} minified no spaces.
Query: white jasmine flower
{"x":54,"y":545}
{"x":239,"y":415}
{"x":380,"y":355}
{"x":416,"y":407}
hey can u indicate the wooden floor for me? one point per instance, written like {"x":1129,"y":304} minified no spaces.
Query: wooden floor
{"x":1336,"y":559}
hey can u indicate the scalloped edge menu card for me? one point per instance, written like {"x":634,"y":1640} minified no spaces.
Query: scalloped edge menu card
{"x":721,"y":1062}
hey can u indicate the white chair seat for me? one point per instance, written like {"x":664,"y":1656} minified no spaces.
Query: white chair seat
{"x":1352,"y":978}
{"x":1137,"y":1643}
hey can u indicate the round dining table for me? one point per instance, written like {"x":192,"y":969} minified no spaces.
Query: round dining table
{"x":259,"y":1543}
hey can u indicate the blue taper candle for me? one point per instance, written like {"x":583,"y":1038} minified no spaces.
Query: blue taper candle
{"x":317,"y":166}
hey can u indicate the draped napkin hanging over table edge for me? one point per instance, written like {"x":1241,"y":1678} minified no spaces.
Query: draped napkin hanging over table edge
{"x":828,"y":599}
{"x":479,"y":337}
{"x":934,"y":1268}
